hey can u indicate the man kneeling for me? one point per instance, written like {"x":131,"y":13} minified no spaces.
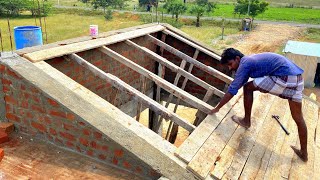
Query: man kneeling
{"x":273,"y":74}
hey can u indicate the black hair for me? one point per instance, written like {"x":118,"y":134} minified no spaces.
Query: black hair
{"x":230,"y":54}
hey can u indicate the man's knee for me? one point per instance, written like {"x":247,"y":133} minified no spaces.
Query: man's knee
{"x":249,"y":87}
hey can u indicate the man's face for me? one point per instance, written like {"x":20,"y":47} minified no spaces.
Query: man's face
{"x":233,"y":64}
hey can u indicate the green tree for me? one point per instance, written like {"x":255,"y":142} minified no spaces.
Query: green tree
{"x":175,"y":7}
{"x":254,"y":7}
{"x":85,"y":1}
{"x":102,"y":3}
{"x":201,"y":7}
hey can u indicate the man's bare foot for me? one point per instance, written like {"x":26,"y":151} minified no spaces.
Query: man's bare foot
{"x":240,"y":121}
{"x":302,"y":156}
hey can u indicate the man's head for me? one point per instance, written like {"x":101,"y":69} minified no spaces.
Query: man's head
{"x":231,"y":57}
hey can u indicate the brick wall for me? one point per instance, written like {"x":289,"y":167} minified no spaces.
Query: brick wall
{"x":34,"y":113}
{"x":203,"y":58}
{"x":108,"y":65}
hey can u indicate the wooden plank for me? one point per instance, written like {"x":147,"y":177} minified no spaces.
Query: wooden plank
{"x":243,"y":140}
{"x":310,"y":113}
{"x":193,"y":143}
{"x":200,"y":116}
{"x":187,"y":58}
{"x":260,"y":154}
{"x":193,"y":101}
{"x":175,"y":68}
{"x":207,"y":155}
{"x":318,"y":132}
{"x":143,"y":91}
{"x":119,"y":84}
{"x":276,"y":156}
{"x":215,"y":56}
{"x":83,"y":46}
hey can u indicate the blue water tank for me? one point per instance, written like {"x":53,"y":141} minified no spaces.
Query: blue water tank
{"x":27,"y":36}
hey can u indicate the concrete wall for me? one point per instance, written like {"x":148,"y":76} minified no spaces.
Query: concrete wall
{"x":191,"y":87}
{"x":35,"y":112}
{"x":109,"y":65}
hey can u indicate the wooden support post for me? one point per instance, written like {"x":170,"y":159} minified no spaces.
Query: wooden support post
{"x":190,"y":99}
{"x":124,"y":87}
{"x":114,"y":99}
{"x":175,"y":127}
{"x":187,"y":58}
{"x":143,"y":91}
{"x":200,"y":116}
{"x":157,"y":126}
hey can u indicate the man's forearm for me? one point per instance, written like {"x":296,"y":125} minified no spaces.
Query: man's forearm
{"x":226,"y":98}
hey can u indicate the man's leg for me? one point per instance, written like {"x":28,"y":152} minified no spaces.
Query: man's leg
{"x":296,"y":112}
{"x":248,"y":90}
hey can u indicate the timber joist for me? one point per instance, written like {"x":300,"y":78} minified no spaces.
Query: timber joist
{"x":69,"y":51}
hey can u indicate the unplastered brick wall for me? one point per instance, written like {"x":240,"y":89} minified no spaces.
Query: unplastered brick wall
{"x":203,"y":58}
{"x":107,"y":64}
{"x":35,"y":113}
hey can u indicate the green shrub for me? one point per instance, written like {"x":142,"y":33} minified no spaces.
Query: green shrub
{"x":108,"y":15}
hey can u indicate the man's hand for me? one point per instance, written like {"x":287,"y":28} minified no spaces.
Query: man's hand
{"x":214,"y":110}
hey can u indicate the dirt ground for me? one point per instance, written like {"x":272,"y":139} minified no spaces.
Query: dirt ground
{"x":264,"y":38}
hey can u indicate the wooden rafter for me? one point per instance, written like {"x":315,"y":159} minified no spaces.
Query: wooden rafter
{"x":87,"y":45}
{"x":185,"y":96}
{"x":124,"y":87}
{"x":175,"y":68}
{"x":189,"y":59}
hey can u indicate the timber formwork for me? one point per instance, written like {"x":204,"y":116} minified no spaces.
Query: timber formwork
{"x":217,"y":148}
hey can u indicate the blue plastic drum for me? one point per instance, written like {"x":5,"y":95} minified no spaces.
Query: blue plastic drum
{"x":27,"y":36}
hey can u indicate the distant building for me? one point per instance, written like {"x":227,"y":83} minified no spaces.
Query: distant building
{"x":307,"y":56}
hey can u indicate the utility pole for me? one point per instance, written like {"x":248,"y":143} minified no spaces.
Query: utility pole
{"x":249,"y":7}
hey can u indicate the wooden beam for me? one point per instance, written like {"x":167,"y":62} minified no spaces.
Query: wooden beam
{"x":175,"y":68}
{"x":190,"y":99}
{"x":87,"y":45}
{"x":124,"y":87}
{"x":143,"y":91}
{"x":200,"y":116}
{"x":198,"y":64}
{"x":215,"y":56}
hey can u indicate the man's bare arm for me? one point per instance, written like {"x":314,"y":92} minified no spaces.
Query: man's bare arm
{"x":226,"y":98}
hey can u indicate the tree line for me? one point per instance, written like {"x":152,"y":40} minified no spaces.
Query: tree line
{"x":16,"y":7}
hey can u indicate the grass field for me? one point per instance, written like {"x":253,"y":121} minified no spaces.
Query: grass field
{"x":66,"y":26}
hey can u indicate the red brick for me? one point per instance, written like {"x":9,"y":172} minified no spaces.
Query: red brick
{"x":53,"y":103}
{"x":6,"y":89}
{"x":126,"y":165}
{"x":68,"y":127}
{"x":86,"y":132}
{"x":97,"y":135}
{"x":138,"y":170}
{"x":23,"y":87}
{"x":81,"y":123}
{"x":1,"y":152}
{"x":115,"y":161}
{"x":90,"y":153}
{"x":39,"y":126}
{"x":58,"y":114}
{"x":8,"y":108}
{"x":12,"y":117}
{"x":29,"y":115}
{"x":6,"y":82}
{"x":70,"y":116}
{"x":47,"y":120}
{"x":2,"y":68}
{"x":36,"y":99}
{"x":104,"y":148}
{"x":7,"y":127}
{"x":84,"y":142}
{"x":53,"y":131}
{"x":11,"y":100}
{"x":34,"y":90}
{"x":3,"y":137}
{"x":11,"y":73}
{"x":68,"y":136}
{"x":24,"y":104}
{"x":94,"y":145}
{"x":38,"y":108}
{"x":118,"y":153}
{"x":70,"y":144}
{"x":102,"y":157}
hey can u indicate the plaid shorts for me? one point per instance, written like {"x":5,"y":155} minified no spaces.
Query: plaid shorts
{"x":286,"y":87}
